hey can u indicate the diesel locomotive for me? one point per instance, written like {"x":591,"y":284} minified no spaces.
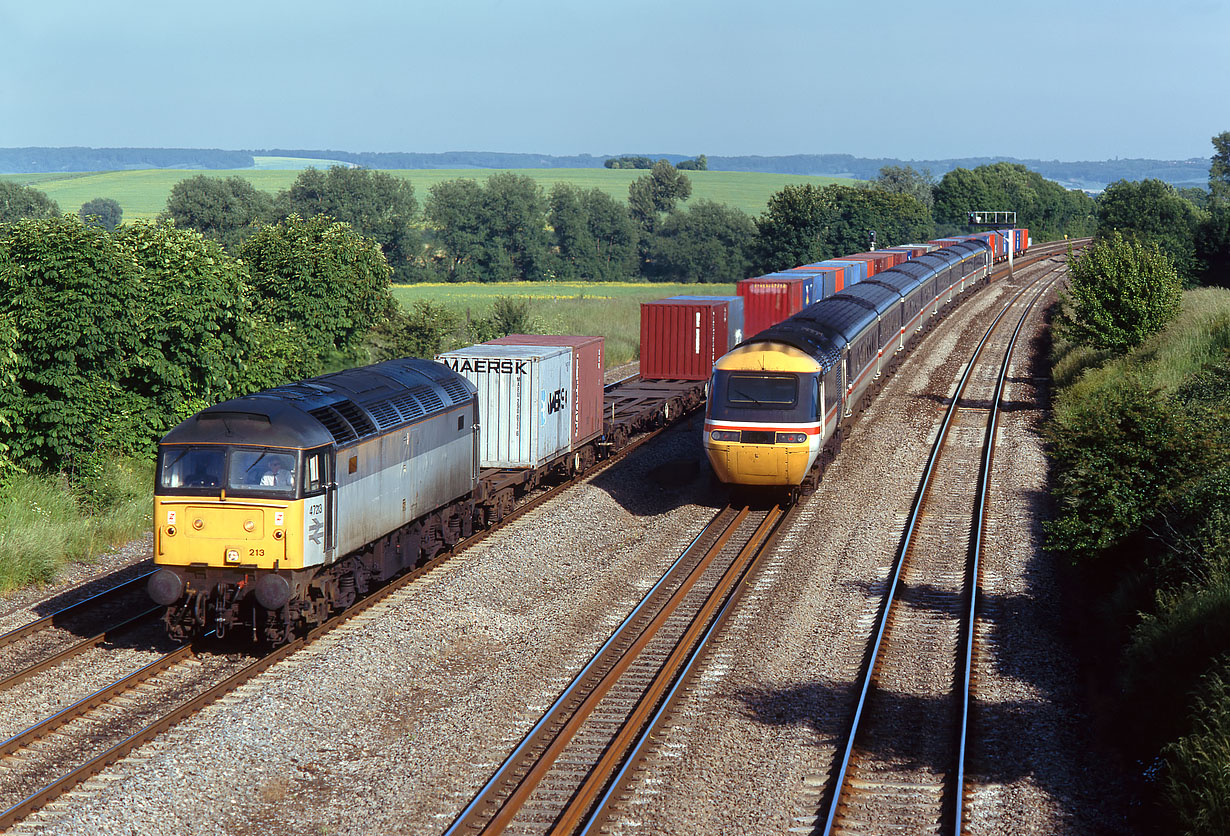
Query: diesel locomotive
{"x":782,"y":400}
{"x":272,"y":509}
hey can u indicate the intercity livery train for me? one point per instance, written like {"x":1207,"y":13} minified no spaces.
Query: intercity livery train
{"x":780,"y":403}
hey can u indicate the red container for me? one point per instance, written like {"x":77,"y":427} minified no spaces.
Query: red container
{"x":767,"y":302}
{"x":876,"y":262}
{"x":682,"y":339}
{"x":588,"y":357}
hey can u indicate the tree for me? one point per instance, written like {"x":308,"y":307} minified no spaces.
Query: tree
{"x":71,"y":296}
{"x":423,"y":331}
{"x":905,"y":180}
{"x":490,"y":233}
{"x":1047,"y":209}
{"x":1219,"y":171}
{"x":790,"y":231}
{"x":194,"y":315}
{"x":320,"y":276}
{"x":227,"y":211}
{"x":628,"y":162}
{"x":376,"y":204}
{"x":1212,"y":241}
{"x":701,"y":163}
{"x":17,"y":202}
{"x":594,"y":237}
{"x":1153,"y":212}
{"x":807,"y":223}
{"x":1121,"y":291}
{"x":709,"y":242}
{"x":652,"y":196}
{"x":104,"y":211}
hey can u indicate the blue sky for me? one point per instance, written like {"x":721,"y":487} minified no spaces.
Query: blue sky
{"x":1089,"y":79}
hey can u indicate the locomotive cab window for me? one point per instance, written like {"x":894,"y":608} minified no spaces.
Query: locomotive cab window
{"x":191,"y":468}
{"x":315,"y":471}
{"x":762,"y":390}
{"x":263,"y":470}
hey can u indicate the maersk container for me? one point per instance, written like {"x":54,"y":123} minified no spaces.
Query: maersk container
{"x":588,"y":361}
{"x":682,"y":337}
{"x":524,"y":395}
{"x":768,"y":301}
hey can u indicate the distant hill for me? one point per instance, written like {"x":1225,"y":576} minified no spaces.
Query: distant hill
{"x":1090,"y":175}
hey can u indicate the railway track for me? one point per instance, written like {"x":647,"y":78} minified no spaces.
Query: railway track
{"x":47,"y":757}
{"x":562,"y":775}
{"x":903,"y":766}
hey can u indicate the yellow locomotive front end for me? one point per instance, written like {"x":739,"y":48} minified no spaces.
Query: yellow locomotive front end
{"x":232,"y":528}
{"x":763,"y":423}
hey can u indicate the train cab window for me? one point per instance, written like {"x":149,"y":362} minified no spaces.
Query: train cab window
{"x":762,"y":390}
{"x":191,"y":467}
{"x":314,"y":475}
{"x":263,"y":470}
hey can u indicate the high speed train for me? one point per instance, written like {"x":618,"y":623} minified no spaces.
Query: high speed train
{"x":782,"y":399}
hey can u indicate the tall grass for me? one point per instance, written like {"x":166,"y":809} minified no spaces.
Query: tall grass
{"x":1200,"y":335}
{"x":1198,"y":773}
{"x":43,"y":525}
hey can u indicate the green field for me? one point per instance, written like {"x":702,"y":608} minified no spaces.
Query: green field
{"x":143,"y":194}
{"x":608,"y":309}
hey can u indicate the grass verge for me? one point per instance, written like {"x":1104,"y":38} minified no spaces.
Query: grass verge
{"x":44,"y":526}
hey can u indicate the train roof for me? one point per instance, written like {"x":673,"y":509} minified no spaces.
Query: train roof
{"x":335,"y":408}
{"x":880,"y":296}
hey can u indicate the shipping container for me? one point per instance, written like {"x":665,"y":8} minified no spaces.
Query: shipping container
{"x":825,"y":280}
{"x":809,"y":285}
{"x":682,"y":337}
{"x":734,"y":326}
{"x":909,"y":250}
{"x":588,"y":366}
{"x":852,"y":272}
{"x":874,"y":263}
{"x":768,"y":301}
{"x":524,"y":395}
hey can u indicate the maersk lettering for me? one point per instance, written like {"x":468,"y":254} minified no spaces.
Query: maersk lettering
{"x":481,"y":365}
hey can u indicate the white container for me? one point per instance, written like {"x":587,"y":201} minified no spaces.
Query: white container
{"x":524,"y":401}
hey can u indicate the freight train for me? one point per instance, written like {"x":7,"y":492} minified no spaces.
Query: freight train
{"x":276,"y":509}
{"x":780,"y":403}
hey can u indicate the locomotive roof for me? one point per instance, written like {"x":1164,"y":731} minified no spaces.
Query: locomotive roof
{"x":334,"y":408}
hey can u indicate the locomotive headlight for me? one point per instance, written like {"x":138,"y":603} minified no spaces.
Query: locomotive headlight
{"x":249,"y":525}
{"x":198,"y":523}
{"x":232,"y":555}
{"x":791,"y":438}
{"x":724,"y":435}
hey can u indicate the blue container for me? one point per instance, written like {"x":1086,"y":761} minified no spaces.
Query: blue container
{"x":855,"y":276}
{"x":824,"y":280}
{"x":809,"y":288}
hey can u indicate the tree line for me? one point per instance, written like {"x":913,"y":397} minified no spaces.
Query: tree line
{"x":509,"y":228}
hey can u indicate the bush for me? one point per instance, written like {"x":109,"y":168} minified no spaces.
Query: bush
{"x":1121,"y":291}
{"x":1121,"y":453}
